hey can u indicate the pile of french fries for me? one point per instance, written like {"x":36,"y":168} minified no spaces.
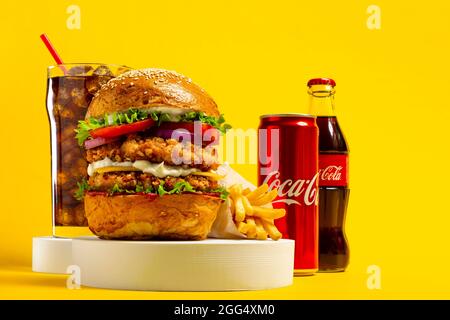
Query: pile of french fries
{"x":251,"y":219}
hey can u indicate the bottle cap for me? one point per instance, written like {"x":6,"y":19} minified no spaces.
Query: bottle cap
{"x":324,"y":81}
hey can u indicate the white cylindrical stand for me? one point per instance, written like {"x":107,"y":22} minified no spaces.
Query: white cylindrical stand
{"x":208,"y":265}
{"x":51,"y":255}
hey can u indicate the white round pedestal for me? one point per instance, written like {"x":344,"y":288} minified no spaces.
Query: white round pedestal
{"x":51,"y":255}
{"x":208,"y":265}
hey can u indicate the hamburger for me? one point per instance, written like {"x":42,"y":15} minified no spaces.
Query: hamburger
{"x":151,"y":143}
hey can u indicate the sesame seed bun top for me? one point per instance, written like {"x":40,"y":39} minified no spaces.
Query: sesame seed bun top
{"x":148,"y":89}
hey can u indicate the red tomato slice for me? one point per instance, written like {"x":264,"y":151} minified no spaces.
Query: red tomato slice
{"x":115,"y":131}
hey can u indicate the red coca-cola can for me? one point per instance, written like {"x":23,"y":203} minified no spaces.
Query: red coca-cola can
{"x":288,"y":161}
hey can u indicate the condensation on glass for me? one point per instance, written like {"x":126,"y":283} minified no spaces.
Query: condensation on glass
{"x":70,"y":89}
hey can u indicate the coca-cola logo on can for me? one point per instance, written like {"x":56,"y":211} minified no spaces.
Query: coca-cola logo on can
{"x":297,"y":192}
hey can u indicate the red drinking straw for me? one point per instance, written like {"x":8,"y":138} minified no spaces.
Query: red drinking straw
{"x":53,"y":52}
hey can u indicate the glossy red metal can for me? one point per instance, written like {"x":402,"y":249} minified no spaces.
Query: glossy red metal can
{"x":288,"y":160}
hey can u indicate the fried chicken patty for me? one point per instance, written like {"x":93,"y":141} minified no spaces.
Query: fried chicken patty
{"x":129,"y":181}
{"x":155,"y":149}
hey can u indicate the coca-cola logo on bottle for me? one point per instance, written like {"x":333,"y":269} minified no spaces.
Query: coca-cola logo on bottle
{"x":333,"y":170}
{"x":291,"y":192}
{"x":331,"y":173}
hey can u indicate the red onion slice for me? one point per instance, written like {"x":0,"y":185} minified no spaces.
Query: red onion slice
{"x":178,"y":134}
{"x":93,"y":143}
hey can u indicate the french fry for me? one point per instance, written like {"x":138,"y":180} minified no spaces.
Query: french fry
{"x":251,"y":231}
{"x":268,"y":213}
{"x":261,"y":234}
{"x":247,"y":206}
{"x":242,"y":227}
{"x":251,"y":235}
{"x":250,"y":218}
{"x":271,"y":229}
{"x":233,"y":211}
{"x":239,"y":215}
{"x":265,"y":199}
{"x":236,"y":191}
{"x":257,"y":192}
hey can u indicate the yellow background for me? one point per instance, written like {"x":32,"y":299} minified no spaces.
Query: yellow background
{"x":254,"y":58}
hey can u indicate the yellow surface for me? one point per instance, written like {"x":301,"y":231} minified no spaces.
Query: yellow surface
{"x":255,"y":57}
{"x":21,"y":283}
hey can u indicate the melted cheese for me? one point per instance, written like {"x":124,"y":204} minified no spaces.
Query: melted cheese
{"x":212,"y":175}
{"x":107,"y":162}
{"x":115,"y":169}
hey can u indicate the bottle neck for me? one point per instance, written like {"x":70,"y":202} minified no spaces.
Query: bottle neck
{"x":321,"y":100}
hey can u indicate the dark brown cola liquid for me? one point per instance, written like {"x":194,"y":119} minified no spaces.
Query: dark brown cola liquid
{"x":67,"y":100}
{"x":333,"y":245}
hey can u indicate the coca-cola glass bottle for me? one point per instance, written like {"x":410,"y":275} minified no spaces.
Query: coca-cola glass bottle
{"x":333,"y":177}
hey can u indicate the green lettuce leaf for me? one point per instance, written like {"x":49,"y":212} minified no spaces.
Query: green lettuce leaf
{"x":82,"y":188}
{"x":218,"y":123}
{"x":134,"y":115}
{"x":128,"y":117}
{"x":179,"y":187}
{"x":223,"y":192}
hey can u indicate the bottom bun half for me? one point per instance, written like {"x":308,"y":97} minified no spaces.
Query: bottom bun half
{"x":139,"y":217}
